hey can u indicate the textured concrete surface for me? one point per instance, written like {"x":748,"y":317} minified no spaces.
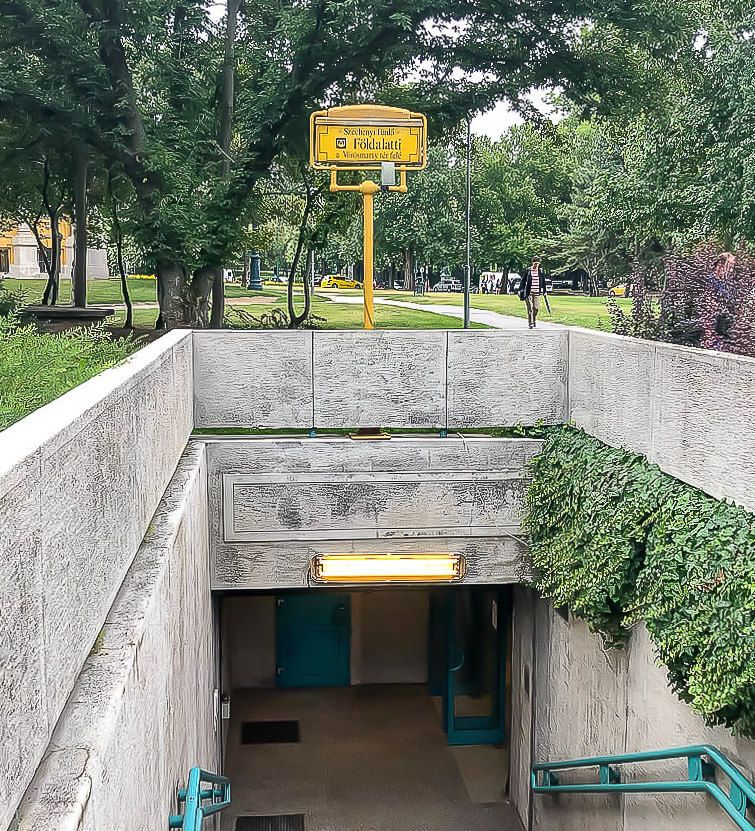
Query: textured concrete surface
{"x":688,"y":410}
{"x":586,"y":701}
{"x":370,"y":759}
{"x":276,"y":502}
{"x":253,"y":379}
{"x":399,"y":379}
{"x":380,"y":379}
{"x":79,"y":482}
{"x":506,"y":378}
{"x":141,"y":712}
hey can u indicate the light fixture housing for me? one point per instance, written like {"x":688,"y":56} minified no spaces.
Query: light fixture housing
{"x":388,"y":568}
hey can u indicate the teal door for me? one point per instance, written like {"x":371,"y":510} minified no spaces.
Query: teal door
{"x":474,"y":697}
{"x":313,"y":640}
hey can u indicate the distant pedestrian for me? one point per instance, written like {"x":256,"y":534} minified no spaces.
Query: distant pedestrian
{"x":530,"y":290}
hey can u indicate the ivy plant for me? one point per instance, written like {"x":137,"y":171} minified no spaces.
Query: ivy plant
{"x":620,"y":542}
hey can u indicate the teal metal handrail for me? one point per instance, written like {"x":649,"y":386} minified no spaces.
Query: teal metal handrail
{"x":702,"y":763}
{"x":194,"y":798}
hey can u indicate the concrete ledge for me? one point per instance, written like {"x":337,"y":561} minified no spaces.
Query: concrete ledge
{"x":691,"y":411}
{"x":400,"y":379}
{"x":141,"y":711}
{"x":79,"y":481}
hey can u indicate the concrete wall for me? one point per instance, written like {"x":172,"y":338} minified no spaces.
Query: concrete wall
{"x":692,"y":411}
{"x":142,"y":712}
{"x":248,"y":622}
{"x":400,"y":379}
{"x":276,"y":502}
{"x":587,"y":701}
{"x":79,"y":482}
{"x":689,"y":410}
{"x":389,"y":637}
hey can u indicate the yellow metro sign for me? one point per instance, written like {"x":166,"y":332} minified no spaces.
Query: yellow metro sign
{"x":362,"y":137}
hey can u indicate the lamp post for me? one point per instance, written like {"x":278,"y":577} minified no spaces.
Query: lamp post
{"x":468,"y":264}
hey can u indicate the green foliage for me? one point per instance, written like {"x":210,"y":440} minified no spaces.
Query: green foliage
{"x":9,"y":300}
{"x":620,"y":542}
{"x":37,"y":368}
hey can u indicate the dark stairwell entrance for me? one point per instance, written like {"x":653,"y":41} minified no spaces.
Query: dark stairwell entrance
{"x":365,"y":743}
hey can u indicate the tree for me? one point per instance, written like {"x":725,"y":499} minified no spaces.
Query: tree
{"x":140,"y":87}
{"x":35,"y":190}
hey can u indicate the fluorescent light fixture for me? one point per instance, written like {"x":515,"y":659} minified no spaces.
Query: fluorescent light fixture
{"x":387,"y":568}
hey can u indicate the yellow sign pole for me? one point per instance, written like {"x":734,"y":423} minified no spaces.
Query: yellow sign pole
{"x":369,"y":189}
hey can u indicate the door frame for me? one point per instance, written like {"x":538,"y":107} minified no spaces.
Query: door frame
{"x":474,"y":730}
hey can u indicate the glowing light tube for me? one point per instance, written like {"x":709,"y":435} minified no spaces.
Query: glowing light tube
{"x":387,"y":568}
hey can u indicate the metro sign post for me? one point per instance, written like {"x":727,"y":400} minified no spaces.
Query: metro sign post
{"x":368,"y":137}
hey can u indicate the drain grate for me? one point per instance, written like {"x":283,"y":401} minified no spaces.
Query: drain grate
{"x":269,"y":732}
{"x":284,"y":822}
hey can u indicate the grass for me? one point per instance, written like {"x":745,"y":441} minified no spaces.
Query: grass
{"x":109,"y":291}
{"x":516,"y":431}
{"x":570,"y":310}
{"x":350,"y":316}
{"x":37,"y":368}
{"x":336,"y":315}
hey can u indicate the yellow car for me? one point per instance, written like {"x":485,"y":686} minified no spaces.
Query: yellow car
{"x":335,"y":281}
{"x":618,"y":291}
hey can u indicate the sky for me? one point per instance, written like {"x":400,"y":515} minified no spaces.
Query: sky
{"x":495,"y":122}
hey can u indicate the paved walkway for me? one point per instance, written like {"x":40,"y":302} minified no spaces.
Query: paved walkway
{"x":369,"y":759}
{"x":494,"y":320}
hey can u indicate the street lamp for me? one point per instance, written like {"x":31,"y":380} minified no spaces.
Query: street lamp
{"x":468,"y":265}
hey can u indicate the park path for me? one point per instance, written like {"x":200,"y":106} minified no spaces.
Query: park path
{"x":494,"y":320}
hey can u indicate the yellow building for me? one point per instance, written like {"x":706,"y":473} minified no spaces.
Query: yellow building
{"x":20,"y":255}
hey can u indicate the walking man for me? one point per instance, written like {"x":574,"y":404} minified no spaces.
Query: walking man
{"x":532,"y":286}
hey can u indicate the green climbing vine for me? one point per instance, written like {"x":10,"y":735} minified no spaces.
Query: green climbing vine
{"x":618,"y":542}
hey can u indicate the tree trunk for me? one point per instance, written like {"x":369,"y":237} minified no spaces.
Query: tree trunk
{"x":224,"y":141}
{"x":408,"y":269}
{"x":50,"y":297}
{"x":52,"y":262}
{"x":184,"y":299}
{"x":129,"y":321}
{"x":80,"y":222}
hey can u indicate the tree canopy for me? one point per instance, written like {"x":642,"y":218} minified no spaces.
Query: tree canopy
{"x":187,"y":113}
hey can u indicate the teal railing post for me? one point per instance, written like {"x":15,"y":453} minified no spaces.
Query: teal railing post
{"x":705,"y":767}
{"x":198,"y":802}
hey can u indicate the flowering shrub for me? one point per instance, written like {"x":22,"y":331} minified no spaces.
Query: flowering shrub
{"x":707,"y":300}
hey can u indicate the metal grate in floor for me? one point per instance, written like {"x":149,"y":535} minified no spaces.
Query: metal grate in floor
{"x":269,"y":732}
{"x":284,"y":822}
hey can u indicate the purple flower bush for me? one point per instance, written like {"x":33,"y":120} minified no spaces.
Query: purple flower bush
{"x":705,"y":299}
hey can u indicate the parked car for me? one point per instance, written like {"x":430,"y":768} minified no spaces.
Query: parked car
{"x":276,"y":278}
{"x":336,"y":281}
{"x":448,"y":284}
{"x":618,"y":291}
